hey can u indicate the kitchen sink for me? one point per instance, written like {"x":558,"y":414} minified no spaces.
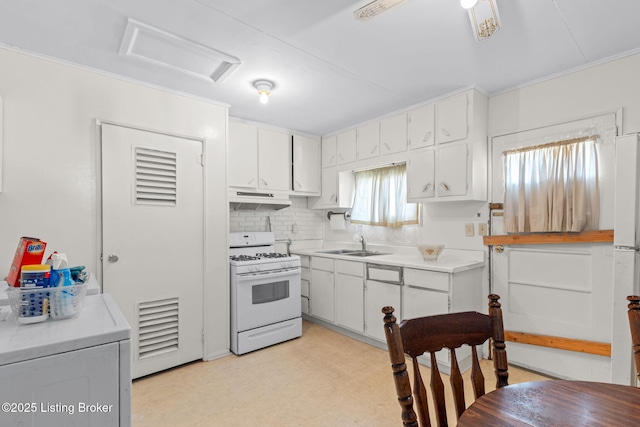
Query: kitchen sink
{"x":337,"y":251}
{"x":363,"y":253}
{"x":351,"y":252}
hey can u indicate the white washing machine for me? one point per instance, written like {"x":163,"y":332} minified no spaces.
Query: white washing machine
{"x":69,"y":372}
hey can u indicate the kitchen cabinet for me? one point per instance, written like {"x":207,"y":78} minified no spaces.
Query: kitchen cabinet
{"x":421,"y":174}
{"x":453,"y":118}
{"x":243,"y":155}
{"x":337,"y":190}
{"x":305,"y":280}
{"x":456,"y":166}
{"x":274,"y":164}
{"x":306,"y":166}
{"x":259,"y":159}
{"x":368,"y":140}
{"x":346,"y":147}
{"x":329,"y":151}
{"x":378,"y":295}
{"x":452,"y":162}
{"x":349,"y":282}
{"x":322,"y":289}
{"x":422,"y":126}
{"x":393,"y":134}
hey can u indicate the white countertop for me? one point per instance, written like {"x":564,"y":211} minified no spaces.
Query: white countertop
{"x":450,"y":261}
{"x":99,"y":322}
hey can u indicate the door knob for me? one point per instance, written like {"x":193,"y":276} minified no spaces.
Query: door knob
{"x":499,"y":249}
{"x":112,"y":258}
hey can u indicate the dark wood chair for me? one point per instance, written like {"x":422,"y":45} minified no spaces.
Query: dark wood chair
{"x":429,"y":334}
{"x":634,"y":325}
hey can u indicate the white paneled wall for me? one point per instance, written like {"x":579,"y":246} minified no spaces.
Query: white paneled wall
{"x":296,"y":222}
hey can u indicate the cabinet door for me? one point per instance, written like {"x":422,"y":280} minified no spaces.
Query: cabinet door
{"x":393,"y":134}
{"x":329,"y":151}
{"x":453,"y":120}
{"x":329,"y":187}
{"x":346,"y":147}
{"x":243,"y":155}
{"x":422,"y":127}
{"x":350,"y":302}
{"x":368,"y":141}
{"x":322,"y":295}
{"x":452,"y":170}
{"x":379,"y":295}
{"x":421,"y":175}
{"x":418,"y":302}
{"x":306,"y":165}
{"x":274,"y":160}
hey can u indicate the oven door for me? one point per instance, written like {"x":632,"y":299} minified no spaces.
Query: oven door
{"x":267,"y":297}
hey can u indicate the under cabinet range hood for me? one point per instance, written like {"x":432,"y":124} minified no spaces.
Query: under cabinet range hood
{"x":248,"y":201}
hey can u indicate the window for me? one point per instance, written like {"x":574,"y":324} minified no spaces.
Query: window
{"x":552,"y":187}
{"x":381,"y":198}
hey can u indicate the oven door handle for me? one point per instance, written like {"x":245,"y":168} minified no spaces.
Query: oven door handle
{"x":264,"y":274}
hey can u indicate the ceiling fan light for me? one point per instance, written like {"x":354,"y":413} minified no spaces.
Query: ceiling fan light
{"x":468,"y":4}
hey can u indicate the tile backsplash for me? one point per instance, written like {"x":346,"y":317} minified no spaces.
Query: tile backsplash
{"x":296,"y":222}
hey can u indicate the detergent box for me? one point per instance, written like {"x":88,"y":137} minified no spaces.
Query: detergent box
{"x":30,"y":251}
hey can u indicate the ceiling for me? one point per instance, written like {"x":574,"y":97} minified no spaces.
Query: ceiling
{"x":330,"y":71}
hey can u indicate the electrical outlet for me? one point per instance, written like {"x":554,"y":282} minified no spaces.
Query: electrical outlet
{"x":468,"y":229}
{"x":482,"y":229}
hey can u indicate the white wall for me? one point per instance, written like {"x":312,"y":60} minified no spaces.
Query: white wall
{"x":50,"y":164}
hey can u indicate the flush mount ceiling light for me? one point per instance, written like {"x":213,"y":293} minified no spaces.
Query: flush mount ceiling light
{"x":374,"y":8}
{"x":485,"y":20}
{"x":264,"y":89}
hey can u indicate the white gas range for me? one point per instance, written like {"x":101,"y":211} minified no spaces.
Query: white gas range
{"x":265,"y":292}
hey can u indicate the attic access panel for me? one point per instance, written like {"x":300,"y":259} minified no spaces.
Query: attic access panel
{"x":148,"y":44}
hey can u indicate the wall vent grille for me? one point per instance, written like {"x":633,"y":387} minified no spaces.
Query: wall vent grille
{"x":156,"y":179}
{"x":158,"y":327}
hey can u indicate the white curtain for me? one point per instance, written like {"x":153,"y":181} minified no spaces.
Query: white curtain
{"x":552,"y":187}
{"x":381,"y":198}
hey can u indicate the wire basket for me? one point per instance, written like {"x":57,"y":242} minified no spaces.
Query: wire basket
{"x":36,"y":305}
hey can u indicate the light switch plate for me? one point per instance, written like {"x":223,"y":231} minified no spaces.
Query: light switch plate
{"x":482,"y":229}
{"x":468,"y":229}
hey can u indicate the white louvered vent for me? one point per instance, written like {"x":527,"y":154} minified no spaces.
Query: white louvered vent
{"x":156,"y":177}
{"x":157,"y":327}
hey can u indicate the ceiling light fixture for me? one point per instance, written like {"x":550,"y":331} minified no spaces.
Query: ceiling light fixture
{"x":264,"y":89}
{"x":468,"y":4}
{"x":485,"y":20}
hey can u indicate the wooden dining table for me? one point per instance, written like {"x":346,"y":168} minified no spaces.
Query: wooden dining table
{"x":556,"y":403}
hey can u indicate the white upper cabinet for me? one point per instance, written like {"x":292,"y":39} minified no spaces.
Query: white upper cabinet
{"x":243,"y":155}
{"x":306,"y":165}
{"x":368,"y":141}
{"x":452,"y":118}
{"x":452,"y":163}
{"x":393,"y":134}
{"x":346,"y":147}
{"x":329,"y":154}
{"x":274,"y":160}
{"x":422,"y":125}
{"x":421,"y":175}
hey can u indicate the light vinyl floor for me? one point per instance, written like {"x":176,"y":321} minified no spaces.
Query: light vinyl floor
{"x":320,"y":379}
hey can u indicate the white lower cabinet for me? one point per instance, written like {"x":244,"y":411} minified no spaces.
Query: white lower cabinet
{"x":322,"y":289}
{"x":305,"y":280}
{"x":349,"y":281}
{"x":379,"y":295}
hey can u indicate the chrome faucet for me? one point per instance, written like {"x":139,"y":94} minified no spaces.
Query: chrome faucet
{"x":363,"y":242}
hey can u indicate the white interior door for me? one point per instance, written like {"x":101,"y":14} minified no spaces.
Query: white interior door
{"x":152,"y":242}
{"x":560,"y":290}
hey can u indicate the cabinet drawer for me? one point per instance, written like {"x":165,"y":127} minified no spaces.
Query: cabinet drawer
{"x":384,"y":273}
{"x":426,"y":279}
{"x":349,"y":267}
{"x":320,"y":263}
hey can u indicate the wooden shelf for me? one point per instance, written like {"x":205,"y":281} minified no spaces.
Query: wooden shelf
{"x":597,"y":236}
